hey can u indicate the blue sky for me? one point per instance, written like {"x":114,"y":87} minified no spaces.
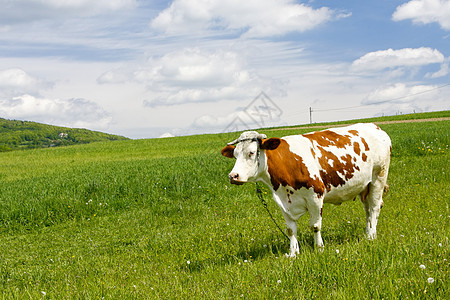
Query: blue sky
{"x":146,"y":68}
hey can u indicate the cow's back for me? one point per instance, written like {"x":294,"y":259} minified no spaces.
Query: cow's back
{"x":347,"y":158}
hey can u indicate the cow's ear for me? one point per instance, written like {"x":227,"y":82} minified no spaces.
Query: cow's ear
{"x":228,"y":151}
{"x":270,"y":144}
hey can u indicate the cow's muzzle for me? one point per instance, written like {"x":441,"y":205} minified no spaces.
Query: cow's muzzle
{"x":234,"y":179}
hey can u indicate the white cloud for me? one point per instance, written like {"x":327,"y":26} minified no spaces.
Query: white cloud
{"x":16,"y":81}
{"x":404,"y":98}
{"x":112,"y":77}
{"x":25,"y":11}
{"x":407,"y":57}
{"x":63,"y":112}
{"x":237,"y":120}
{"x":261,"y":112}
{"x":425,"y":12}
{"x":443,"y":71}
{"x":194,"y":67}
{"x":401,"y":93}
{"x":16,"y":78}
{"x":86,"y":5}
{"x":252,"y":18}
{"x":192,"y":76}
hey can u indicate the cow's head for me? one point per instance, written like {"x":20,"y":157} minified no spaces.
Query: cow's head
{"x":247,"y":149}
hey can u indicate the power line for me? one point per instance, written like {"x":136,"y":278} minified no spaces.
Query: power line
{"x":380,"y":102}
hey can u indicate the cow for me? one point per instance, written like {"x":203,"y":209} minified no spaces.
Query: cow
{"x":305,"y":171}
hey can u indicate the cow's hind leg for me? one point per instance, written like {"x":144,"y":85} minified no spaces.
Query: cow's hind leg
{"x":372,"y":198}
{"x":315,"y":221}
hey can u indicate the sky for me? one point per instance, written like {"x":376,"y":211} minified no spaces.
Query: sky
{"x":145,"y":69}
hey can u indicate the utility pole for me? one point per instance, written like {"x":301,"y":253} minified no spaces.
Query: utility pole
{"x":310,"y":115}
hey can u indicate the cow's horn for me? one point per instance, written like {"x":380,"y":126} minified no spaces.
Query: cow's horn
{"x":233,"y":142}
{"x":259,"y":136}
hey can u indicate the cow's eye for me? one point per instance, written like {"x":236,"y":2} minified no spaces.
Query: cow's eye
{"x":251,"y":153}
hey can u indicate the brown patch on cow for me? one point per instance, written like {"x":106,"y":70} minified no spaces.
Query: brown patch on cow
{"x":354,"y":132}
{"x":348,"y":163}
{"x":338,"y":171}
{"x":356,"y":148}
{"x":328,"y":138}
{"x":364,"y":157}
{"x":287,"y":169}
{"x":366,"y":147}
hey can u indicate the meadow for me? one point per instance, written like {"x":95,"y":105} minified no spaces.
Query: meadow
{"x":157,"y":219}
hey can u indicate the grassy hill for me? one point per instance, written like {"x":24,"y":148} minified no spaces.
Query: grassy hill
{"x":16,"y":135}
{"x":157,"y":219}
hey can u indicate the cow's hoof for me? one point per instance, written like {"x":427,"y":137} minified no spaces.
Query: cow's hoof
{"x":320,"y":248}
{"x":290,"y":255}
{"x":371,"y":236}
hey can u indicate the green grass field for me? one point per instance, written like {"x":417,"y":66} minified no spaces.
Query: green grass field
{"x":157,"y":219}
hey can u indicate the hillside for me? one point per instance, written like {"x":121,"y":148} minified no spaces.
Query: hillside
{"x":15,"y":135}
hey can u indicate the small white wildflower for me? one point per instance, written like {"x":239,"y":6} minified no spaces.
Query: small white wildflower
{"x":43,"y":293}
{"x":245,"y":261}
{"x":422,"y":267}
{"x":430,"y":279}
{"x":440,"y":244}
{"x":337,"y":251}
{"x":278,"y":281}
{"x":188,"y":262}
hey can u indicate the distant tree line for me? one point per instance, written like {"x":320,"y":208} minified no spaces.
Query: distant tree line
{"x":15,"y":135}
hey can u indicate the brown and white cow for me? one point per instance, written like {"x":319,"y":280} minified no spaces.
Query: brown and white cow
{"x":306,"y":171}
